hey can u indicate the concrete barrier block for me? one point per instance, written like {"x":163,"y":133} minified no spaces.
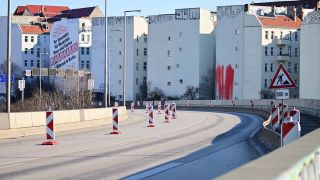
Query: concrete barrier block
{"x":4,"y":123}
{"x":38,"y":118}
{"x":23,"y":120}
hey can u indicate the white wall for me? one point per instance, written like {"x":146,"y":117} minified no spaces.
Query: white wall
{"x":310,"y":55}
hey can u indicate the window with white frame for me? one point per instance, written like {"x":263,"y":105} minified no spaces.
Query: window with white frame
{"x":271,"y":51}
{"x":26,"y":50}
{"x":145,"y":66}
{"x":266,"y":34}
{"x":25,"y":38}
{"x":82,"y":38}
{"x":32,"y":38}
{"x":169,"y":53}
{"x":266,"y":51}
{"x":272,"y":34}
{"x":265,"y":67}
{"x":168,"y":68}
{"x":271,"y":67}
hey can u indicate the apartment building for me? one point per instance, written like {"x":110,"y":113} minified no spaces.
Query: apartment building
{"x":310,"y":55}
{"x":181,"y":50}
{"x":251,"y":43}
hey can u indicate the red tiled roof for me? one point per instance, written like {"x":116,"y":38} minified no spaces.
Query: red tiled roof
{"x":34,"y":29}
{"x":41,"y":10}
{"x":280,"y":21}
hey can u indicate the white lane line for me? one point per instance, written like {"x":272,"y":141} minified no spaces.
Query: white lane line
{"x":153,"y":171}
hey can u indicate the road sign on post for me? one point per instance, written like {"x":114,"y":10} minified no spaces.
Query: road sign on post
{"x":28,"y":73}
{"x":282,"y":79}
{"x":282,"y":94}
{"x":22,"y":84}
{"x":3,"y":78}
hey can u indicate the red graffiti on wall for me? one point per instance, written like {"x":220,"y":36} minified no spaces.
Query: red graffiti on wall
{"x":224,"y":82}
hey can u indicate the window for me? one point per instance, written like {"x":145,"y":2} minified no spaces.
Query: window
{"x":88,"y":50}
{"x":168,"y":68}
{"x":120,"y":53}
{"x":38,"y":52}
{"x":145,"y":66}
{"x":237,"y":32}
{"x":137,"y":38}
{"x":289,"y":67}
{"x":82,"y":50}
{"x":38,"y":63}
{"x":237,"y":66}
{"x":181,"y":81}
{"x":296,"y":52}
{"x":137,"y":66}
{"x":290,"y":34}
{"x":265,"y":83}
{"x":88,"y":37}
{"x":120,"y":96}
{"x":169,"y":38}
{"x":82,"y":37}
{"x":26,"y":50}
{"x":44,"y":50}
{"x":169,"y":53}
{"x":120,"y":39}
{"x":137,"y":53}
{"x":237,"y":48}
{"x":120,"y":67}
{"x":271,"y":67}
{"x":296,"y":36}
{"x":144,"y":80}
{"x":25,"y":63}
{"x":272,"y":34}
{"x":266,"y":67}
{"x":289,"y":50}
{"x":82,"y":65}
{"x":180,"y":49}
{"x":119,"y":81}
{"x":169,"y":83}
{"x":280,"y":51}
{"x":145,"y":51}
{"x":271,"y":51}
{"x":137,"y":81}
{"x":88,"y":64}
{"x":281,"y":34}
{"x":32,"y":39}
{"x":266,"y":35}
{"x":180,"y":34}
{"x":32,"y":51}
{"x":25,"y":38}
{"x":31,"y":63}
{"x":295,"y":68}
{"x":145,"y":37}
{"x":83,"y":24}
{"x":266,"y":51}
{"x":178,"y":65}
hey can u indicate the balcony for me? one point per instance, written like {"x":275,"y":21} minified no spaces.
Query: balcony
{"x":283,"y":57}
{"x":85,"y":29}
{"x":282,"y":42}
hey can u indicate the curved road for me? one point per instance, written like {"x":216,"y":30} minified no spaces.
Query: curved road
{"x":197,"y":145}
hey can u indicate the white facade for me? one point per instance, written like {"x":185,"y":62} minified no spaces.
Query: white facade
{"x":310,"y":55}
{"x":181,"y":50}
{"x":136,"y":55}
{"x":250,"y":49}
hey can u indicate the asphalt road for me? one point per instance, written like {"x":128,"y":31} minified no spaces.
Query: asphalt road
{"x":197,"y":145}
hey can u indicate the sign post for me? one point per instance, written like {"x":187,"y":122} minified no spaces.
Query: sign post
{"x":280,"y":81}
{"x":22,"y":85}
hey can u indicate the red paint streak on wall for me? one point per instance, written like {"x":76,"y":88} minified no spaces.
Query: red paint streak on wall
{"x":224,"y":82}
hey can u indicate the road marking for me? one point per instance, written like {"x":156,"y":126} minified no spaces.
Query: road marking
{"x":153,"y":171}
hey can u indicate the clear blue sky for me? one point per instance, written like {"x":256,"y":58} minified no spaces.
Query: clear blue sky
{"x":116,"y":7}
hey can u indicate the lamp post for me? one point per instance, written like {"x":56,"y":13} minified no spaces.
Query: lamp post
{"x":9,"y":57}
{"x":40,"y":87}
{"x":106,"y":55}
{"x":125,"y":54}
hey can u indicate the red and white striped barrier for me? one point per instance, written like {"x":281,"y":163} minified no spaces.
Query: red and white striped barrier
{"x":295,"y":114}
{"x":159,"y":108}
{"x":132,"y":107}
{"x":275,"y":119}
{"x":50,"y":129}
{"x":286,"y":111}
{"x":174,"y":111}
{"x":147,"y":107}
{"x":115,"y":121}
{"x":151,"y":117}
{"x":290,"y":131}
{"x":116,"y":104}
{"x":167,"y":116}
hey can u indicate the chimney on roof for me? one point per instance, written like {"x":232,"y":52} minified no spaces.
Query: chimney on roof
{"x":273,"y":10}
{"x":294,"y":14}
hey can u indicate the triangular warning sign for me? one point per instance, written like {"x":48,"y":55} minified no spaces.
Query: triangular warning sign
{"x":282,"y":79}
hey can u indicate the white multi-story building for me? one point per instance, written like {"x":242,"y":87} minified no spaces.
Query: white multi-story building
{"x":136,"y":55}
{"x":251,"y":43}
{"x":310,"y":55}
{"x":181,"y":50}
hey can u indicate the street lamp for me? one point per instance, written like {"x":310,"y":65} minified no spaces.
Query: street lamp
{"x":125,"y":54}
{"x":106,"y":51}
{"x":9,"y":57}
{"x":45,"y":53}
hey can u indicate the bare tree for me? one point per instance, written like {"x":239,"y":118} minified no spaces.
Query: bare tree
{"x":156,"y":94}
{"x":191,"y":93}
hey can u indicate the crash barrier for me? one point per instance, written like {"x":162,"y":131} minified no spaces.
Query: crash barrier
{"x":23,"y":120}
{"x":50,"y":134}
{"x":115,"y":121}
{"x":150,"y":117}
{"x":297,"y":160}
